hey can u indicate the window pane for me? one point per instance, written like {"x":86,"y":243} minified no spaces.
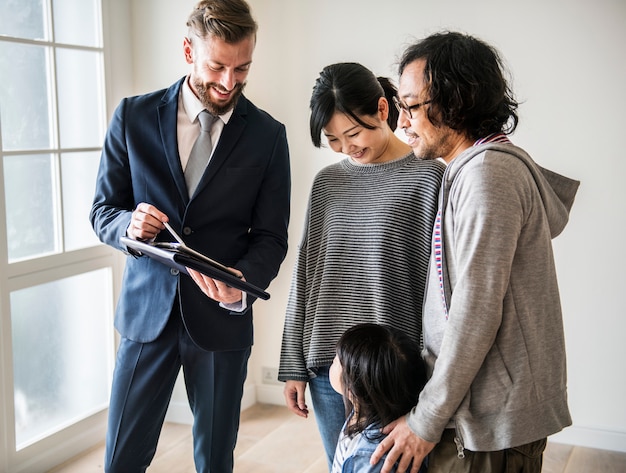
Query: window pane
{"x":30,"y":208}
{"x":78,"y":174}
{"x":22,"y":19}
{"x":79,"y":78}
{"x":77,"y":22}
{"x":61,"y":346}
{"x":25,"y":109}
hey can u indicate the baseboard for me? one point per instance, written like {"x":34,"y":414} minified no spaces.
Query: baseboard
{"x":592,"y":438}
{"x":273,"y":394}
{"x":270,"y":394}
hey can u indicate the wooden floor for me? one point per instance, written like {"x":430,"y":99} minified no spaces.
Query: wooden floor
{"x":272,"y":440}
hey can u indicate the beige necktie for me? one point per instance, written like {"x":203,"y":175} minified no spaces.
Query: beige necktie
{"x":200,"y":153}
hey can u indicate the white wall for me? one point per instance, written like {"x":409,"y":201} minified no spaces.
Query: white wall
{"x":568,"y":63}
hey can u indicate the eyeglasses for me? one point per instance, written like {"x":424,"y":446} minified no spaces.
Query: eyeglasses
{"x":408,"y":109}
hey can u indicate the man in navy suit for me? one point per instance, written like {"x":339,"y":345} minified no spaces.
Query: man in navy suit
{"x":238,"y":214}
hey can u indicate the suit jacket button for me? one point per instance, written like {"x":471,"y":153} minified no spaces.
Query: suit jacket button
{"x":186,"y":231}
{"x":174,"y":271}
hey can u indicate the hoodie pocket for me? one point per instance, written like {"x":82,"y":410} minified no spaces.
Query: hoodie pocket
{"x":492,"y":386}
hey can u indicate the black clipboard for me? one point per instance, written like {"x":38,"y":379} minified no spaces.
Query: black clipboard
{"x":181,"y":257}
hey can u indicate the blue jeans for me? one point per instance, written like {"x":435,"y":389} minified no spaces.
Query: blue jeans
{"x":330,"y":411}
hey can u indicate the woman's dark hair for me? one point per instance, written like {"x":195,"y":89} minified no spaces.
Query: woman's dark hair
{"x":382,"y":371}
{"x":465,"y":83}
{"x":349,"y":88}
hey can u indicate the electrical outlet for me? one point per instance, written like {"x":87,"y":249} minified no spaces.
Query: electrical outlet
{"x":269,"y":375}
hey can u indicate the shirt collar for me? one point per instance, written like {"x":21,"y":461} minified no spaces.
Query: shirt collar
{"x":193,"y":106}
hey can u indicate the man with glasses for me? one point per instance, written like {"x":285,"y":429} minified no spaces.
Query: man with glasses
{"x":492,"y":324}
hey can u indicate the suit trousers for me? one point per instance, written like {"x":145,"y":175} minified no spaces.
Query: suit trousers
{"x":143,"y":381}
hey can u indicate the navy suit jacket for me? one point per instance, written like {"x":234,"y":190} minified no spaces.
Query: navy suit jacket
{"x":238,"y":214}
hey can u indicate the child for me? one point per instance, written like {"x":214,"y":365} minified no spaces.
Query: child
{"x":379,"y":371}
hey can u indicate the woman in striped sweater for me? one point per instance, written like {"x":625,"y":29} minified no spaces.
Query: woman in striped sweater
{"x":366,"y":242}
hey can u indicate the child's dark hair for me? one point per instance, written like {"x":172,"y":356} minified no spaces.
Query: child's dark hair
{"x":382,"y":373}
{"x":349,"y":88}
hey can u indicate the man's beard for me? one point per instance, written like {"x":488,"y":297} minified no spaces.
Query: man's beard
{"x":439,"y":146}
{"x":203,"y":91}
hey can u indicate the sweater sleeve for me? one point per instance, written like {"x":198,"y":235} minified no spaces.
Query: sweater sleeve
{"x":292,"y":361}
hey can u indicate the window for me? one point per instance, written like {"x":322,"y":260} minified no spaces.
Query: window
{"x":60,"y":352}
{"x":51,"y":122}
{"x":56,"y":284}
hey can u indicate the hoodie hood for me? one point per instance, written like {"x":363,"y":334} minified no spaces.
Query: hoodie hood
{"x":557,"y":191}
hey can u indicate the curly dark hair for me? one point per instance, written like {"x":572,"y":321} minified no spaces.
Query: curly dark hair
{"x":382,"y":372}
{"x":350,"y":88}
{"x":466,"y":84}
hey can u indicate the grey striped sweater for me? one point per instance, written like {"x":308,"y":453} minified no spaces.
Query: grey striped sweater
{"x":363,"y":257}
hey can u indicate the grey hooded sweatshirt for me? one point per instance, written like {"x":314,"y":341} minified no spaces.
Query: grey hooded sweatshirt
{"x":493,"y":330}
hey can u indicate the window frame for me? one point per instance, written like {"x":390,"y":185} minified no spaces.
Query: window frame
{"x":70,"y":440}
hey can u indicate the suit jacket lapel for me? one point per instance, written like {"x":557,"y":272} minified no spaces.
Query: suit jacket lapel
{"x":168,"y":112}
